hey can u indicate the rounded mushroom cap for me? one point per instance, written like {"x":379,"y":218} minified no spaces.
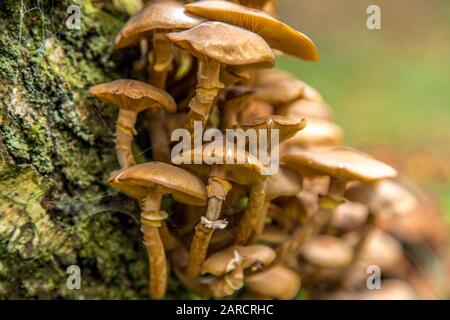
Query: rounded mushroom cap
{"x":381,"y":249}
{"x":137,"y":181}
{"x":277,"y":87}
{"x":386,"y":197}
{"x":342,"y":162}
{"x":159,"y":14}
{"x":279,"y":35}
{"x":328,"y":252}
{"x":287,"y":127}
{"x":285,"y":182}
{"x":242,"y":167}
{"x":303,"y":108}
{"x":255,"y":256}
{"x":133,"y":95}
{"x":256,"y":109}
{"x":316,"y":133}
{"x":349,"y":216}
{"x":277,"y":282}
{"x":225,"y":43}
{"x":273,"y":235}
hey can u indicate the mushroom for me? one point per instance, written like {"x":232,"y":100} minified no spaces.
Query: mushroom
{"x":243,"y":172}
{"x":216,"y":44}
{"x":391,"y":289}
{"x":273,"y":235}
{"x":280,"y":88}
{"x":252,"y":223}
{"x":277,"y":34}
{"x":131,"y":97}
{"x":228,"y":276}
{"x":237,"y":99}
{"x":327,"y":252}
{"x":147,"y":183}
{"x":155,"y":20}
{"x":277,"y":282}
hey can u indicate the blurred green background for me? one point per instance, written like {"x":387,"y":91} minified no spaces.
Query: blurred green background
{"x":389,"y":88}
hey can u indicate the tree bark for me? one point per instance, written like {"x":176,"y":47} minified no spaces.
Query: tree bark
{"x":57,"y":151}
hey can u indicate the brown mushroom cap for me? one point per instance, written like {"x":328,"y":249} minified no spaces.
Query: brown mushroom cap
{"x":386,"y":197}
{"x":276,"y":282}
{"x":279,"y":35}
{"x":277,"y":87}
{"x":303,"y":108}
{"x":342,"y":162}
{"x":219,"y":263}
{"x":328,"y":252}
{"x":138,"y":180}
{"x":273,"y":235}
{"x":248,"y":172}
{"x":225,"y":43}
{"x":349,"y":215}
{"x":256,"y":109}
{"x":133,"y":95}
{"x":285,"y":182}
{"x":287,"y":127}
{"x":159,"y":14}
{"x":316,"y":133}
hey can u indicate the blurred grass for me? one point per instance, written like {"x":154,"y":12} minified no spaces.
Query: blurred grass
{"x":387,"y":87}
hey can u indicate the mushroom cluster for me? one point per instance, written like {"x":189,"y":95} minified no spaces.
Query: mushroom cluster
{"x":317,"y":224}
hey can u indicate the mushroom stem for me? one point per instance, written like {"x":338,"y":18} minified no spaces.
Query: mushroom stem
{"x":124,"y":137}
{"x":253,"y":213}
{"x":261,"y":223}
{"x":151,"y":218}
{"x":208,"y":87}
{"x":156,"y":118}
{"x":337,"y":187}
{"x":217,"y":190}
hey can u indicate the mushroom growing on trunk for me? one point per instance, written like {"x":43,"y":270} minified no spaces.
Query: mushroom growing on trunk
{"x":147,"y":183}
{"x":216,"y":44}
{"x":131,"y":97}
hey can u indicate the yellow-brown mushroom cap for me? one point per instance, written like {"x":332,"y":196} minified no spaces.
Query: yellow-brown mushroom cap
{"x":226,"y":44}
{"x":328,"y":252}
{"x":137,"y":181}
{"x":287,"y":127}
{"x":160,"y":14}
{"x":279,"y":35}
{"x":133,"y":95}
{"x":252,"y":256}
{"x":277,"y":282}
{"x":303,"y":108}
{"x":317,"y":132}
{"x":285,"y":182}
{"x":248,"y":171}
{"x":341,"y":162}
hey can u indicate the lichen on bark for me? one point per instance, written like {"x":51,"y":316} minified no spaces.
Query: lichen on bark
{"x":56,"y":152}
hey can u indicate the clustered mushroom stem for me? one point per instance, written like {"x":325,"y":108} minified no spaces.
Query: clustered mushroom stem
{"x":337,"y":187}
{"x":247,"y":224}
{"x":208,"y":87}
{"x":124,"y":137}
{"x":156,"y":118}
{"x":260,"y":224}
{"x":150,"y":225}
{"x":205,"y":229}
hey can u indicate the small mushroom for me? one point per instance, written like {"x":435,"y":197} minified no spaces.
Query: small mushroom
{"x":279,"y":35}
{"x":327,"y":252}
{"x":280,"y":88}
{"x":147,"y":183}
{"x":349,"y":216}
{"x":277,"y":282}
{"x":237,"y":99}
{"x":303,"y":108}
{"x":131,"y":97}
{"x":254,"y":257}
{"x":273,"y":235}
{"x":243,"y":169}
{"x":216,"y":44}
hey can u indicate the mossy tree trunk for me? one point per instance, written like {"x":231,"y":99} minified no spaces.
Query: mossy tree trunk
{"x":56,"y":152}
